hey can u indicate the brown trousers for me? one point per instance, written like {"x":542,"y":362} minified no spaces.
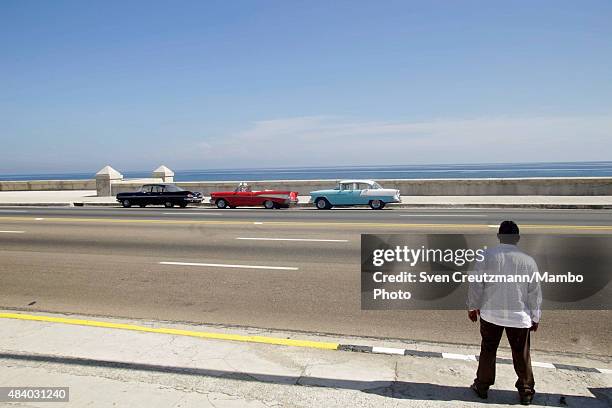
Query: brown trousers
{"x":519,"y":343}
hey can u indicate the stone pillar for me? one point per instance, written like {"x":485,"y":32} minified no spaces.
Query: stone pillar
{"x":164,"y":173}
{"x":104,"y":179}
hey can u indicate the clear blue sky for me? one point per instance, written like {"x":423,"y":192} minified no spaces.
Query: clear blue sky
{"x":209,"y":84}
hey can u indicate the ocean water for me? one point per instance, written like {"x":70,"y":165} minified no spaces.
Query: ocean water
{"x":560,"y":169}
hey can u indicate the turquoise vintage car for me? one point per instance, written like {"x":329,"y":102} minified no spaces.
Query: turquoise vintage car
{"x":355,"y":192}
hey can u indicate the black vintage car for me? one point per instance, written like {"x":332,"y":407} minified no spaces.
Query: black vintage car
{"x":165,"y":194}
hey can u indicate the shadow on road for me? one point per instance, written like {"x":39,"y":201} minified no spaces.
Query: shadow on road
{"x":391,"y":389}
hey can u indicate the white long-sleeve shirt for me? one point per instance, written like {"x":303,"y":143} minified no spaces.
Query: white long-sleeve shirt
{"x":509,"y":304}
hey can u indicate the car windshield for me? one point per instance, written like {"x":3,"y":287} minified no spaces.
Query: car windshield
{"x":173,"y":188}
{"x":376,"y":185}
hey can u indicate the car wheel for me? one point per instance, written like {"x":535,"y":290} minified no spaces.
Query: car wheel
{"x":322,"y":204}
{"x":221,"y":203}
{"x":142,"y":205}
{"x":183,"y":205}
{"x":377,"y":205}
{"x":168,"y":204}
{"x":126,"y":203}
{"x":269,"y":204}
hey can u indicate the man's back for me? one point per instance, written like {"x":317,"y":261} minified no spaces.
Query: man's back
{"x":509,"y":304}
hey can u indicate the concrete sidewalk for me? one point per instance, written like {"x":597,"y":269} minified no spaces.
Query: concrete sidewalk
{"x":130,"y":368}
{"x":89,"y":198}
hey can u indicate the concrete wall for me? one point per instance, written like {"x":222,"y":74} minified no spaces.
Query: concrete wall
{"x":429,"y":187}
{"x":47,"y":185}
{"x":579,"y":186}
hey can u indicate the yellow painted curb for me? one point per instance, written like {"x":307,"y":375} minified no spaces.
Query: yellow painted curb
{"x":176,"y":332}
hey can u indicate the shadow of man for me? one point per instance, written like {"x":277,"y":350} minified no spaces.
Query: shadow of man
{"x":435,"y":392}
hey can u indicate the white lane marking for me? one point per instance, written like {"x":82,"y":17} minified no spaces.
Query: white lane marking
{"x":387,"y":350}
{"x":543,"y":365}
{"x":444,"y":215}
{"x":454,"y":356}
{"x":39,"y":219}
{"x":493,"y":226}
{"x":190,"y":213}
{"x":258,"y":223}
{"x":293,"y":239}
{"x":13,"y":211}
{"x":283,"y":268}
{"x":12,"y":232}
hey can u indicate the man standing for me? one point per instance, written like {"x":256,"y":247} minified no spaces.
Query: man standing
{"x":510,"y":306}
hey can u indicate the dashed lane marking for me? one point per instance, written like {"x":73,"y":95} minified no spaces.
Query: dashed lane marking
{"x":214,"y":265}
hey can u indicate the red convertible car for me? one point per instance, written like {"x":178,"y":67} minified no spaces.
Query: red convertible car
{"x":244,"y":196}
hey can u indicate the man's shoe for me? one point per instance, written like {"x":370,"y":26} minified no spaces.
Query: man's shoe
{"x":482,"y":394}
{"x":526,"y":399}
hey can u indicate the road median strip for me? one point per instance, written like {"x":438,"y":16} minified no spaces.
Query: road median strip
{"x":302,"y":223}
{"x":314,"y":344}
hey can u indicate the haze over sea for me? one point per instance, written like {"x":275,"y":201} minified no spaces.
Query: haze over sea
{"x":559,"y":169}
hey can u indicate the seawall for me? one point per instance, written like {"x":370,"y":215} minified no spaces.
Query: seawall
{"x":576,"y":186}
{"x":47,"y":185}
{"x":424,"y":187}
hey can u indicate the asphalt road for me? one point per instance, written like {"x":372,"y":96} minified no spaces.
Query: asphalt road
{"x":292,"y":269}
{"x":394,"y":215}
